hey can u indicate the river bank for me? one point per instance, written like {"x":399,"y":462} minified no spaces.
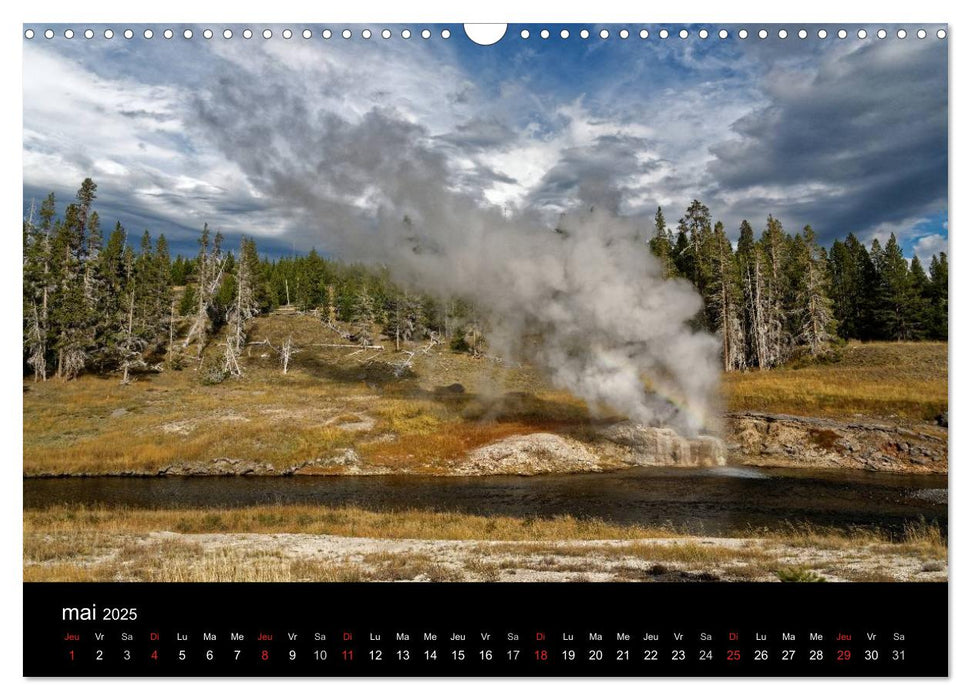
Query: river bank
{"x":348,"y":544}
{"x":750,"y":439}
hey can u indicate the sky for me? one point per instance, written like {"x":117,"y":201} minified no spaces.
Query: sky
{"x":267,"y":137}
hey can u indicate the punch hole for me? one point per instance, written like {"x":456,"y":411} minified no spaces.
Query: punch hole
{"x":446,"y":34}
{"x":89,"y":34}
{"x":941,"y":34}
{"x":644,"y":34}
{"x":722,"y":33}
{"x":49,"y":34}
{"x":168,"y":34}
{"x":544,"y":34}
{"x":763,"y":34}
{"x":326,"y":34}
{"x":405,"y":33}
{"x":743,"y":34}
{"x":129,"y":34}
{"x":703,"y":33}
{"x":187,"y":34}
{"x":287,"y":34}
{"x":306,"y":34}
{"x":366,"y":34}
{"x":385,"y":33}
{"x":207,"y":33}
{"x":247,"y":33}
{"x":68,"y":33}
{"x":485,"y":34}
{"x":624,"y":33}
{"x":783,"y":34}
{"x":604,"y":34}
{"x":564,"y":34}
{"x":584,"y":33}
{"x":663,"y":33}
{"x":841,"y":33}
{"x":29,"y":34}
{"x":227,"y":34}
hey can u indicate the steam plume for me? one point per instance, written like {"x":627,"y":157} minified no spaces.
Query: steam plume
{"x":586,"y":302}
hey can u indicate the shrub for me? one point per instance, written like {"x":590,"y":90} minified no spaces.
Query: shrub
{"x":798,"y":574}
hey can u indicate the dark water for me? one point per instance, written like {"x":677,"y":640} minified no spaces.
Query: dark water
{"x":704,"y":501}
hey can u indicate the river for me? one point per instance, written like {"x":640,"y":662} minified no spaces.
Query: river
{"x":713,"y":501}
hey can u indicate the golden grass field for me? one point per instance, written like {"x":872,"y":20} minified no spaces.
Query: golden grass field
{"x":872,"y":380}
{"x":333,"y":398}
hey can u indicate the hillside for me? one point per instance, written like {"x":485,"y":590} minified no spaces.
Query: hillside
{"x":342,"y":409}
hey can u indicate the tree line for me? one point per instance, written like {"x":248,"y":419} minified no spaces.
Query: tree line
{"x":772,"y":297}
{"x":108,"y":305}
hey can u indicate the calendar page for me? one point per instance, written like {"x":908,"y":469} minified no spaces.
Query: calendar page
{"x":485,"y":350}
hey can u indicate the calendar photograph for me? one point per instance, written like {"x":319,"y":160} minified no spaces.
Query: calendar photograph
{"x":617,"y":304}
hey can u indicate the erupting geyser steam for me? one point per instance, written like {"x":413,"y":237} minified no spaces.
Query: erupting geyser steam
{"x":584,"y":302}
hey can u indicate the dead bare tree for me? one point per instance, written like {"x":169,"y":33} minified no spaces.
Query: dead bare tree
{"x":286,"y":352}
{"x":244,"y":308}
{"x":211,"y":266}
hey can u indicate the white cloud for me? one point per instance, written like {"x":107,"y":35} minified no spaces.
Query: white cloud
{"x":928,"y":246}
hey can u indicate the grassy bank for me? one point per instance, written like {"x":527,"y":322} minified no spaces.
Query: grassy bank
{"x":289,"y":543}
{"x":873,"y":380}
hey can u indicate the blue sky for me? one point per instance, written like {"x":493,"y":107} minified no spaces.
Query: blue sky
{"x":843,"y":134}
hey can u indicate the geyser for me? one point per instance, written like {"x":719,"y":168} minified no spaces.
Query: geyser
{"x":583,"y":299}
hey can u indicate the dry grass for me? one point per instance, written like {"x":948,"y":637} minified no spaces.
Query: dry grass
{"x":329,"y":401}
{"x":906,"y":380}
{"x":317,"y":520}
{"x":298,"y":543}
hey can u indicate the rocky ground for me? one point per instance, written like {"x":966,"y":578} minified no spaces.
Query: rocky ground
{"x":753,"y":439}
{"x":762,"y":439}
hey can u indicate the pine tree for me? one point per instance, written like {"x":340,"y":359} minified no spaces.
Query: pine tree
{"x":937,"y":313}
{"x":868,"y":279}
{"x":130,"y":345}
{"x":844,"y":289}
{"x":922,"y":291}
{"x":813,"y":307}
{"x":694,"y":244}
{"x":772,"y":247}
{"x":754,"y":298}
{"x":38,"y":281}
{"x":724,"y":301}
{"x":363,"y":317}
{"x":897,"y":300}
{"x":405,"y":318}
{"x":661,"y":244}
{"x":73,"y":318}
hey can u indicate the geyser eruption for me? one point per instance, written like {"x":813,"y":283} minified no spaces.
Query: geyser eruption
{"x":585,"y":301}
